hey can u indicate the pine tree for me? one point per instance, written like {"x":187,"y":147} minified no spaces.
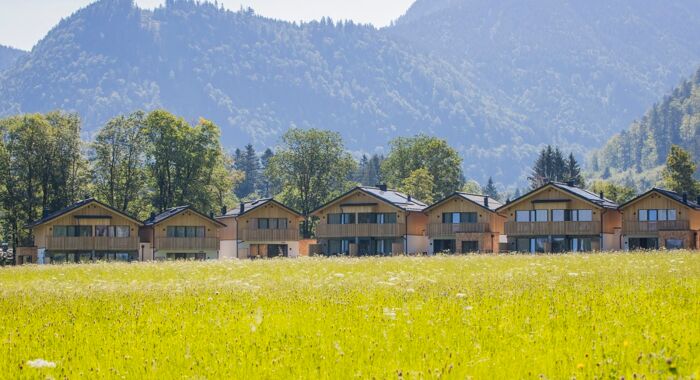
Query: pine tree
{"x":490,"y":190}
{"x":679,"y":171}
{"x":573,"y":172}
{"x":267,"y":186}
{"x":247,"y":162}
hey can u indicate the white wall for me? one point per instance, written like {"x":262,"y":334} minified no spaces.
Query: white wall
{"x":227,"y":249}
{"x":611,"y":242}
{"x":417,"y":244}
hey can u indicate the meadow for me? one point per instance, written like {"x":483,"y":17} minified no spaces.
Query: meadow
{"x":546,"y":317}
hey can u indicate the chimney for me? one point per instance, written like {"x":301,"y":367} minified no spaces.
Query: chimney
{"x":242,"y":208}
{"x":153,"y":215}
{"x":486,"y":201}
{"x":211,"y":215}
{"x":685,"y":198}
{"x":224,"y":210}
{"x":410,"y":198}
{"x":570,"y":183}
{"x":602,"y":195}
{"x":45,"y":212}
{"x":698,"y":200}
{"x":382,"y":187}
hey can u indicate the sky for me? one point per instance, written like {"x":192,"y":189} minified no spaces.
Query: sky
{"x":24,"y":22}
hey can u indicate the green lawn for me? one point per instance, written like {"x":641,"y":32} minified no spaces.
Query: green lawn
{"x":604,"y":316}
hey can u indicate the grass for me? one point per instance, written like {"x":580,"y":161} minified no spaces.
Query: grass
{"x":604,"y":316}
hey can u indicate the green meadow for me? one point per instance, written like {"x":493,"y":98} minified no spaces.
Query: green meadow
{"x":544,"y":317}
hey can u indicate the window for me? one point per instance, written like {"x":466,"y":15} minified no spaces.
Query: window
{"x":581,"y":245}
{"x":558,"y":215}
{"x":653,"y":215}
{"x":522,"y":216}
{"x":559,"y":245}
{"x":338,"y":247}
{"x":674,"y":244}
{"x":367,"y":218}
{"x":186,"y":231}
{"x":672,"y":215}
{"x":657,"y":215}
{"x":470,"y":246}
{"x":263,"y":224}
{"x":272,"y":224}
{"x":341,"y":219}
{"x":572,"y":215}
{"x":72,"y":231}
{"x":585,"y":216}
{"x":643,"y":215}
{"x":541,"y":216}
{"x":459,"y":217}
{"x":112,"y":231}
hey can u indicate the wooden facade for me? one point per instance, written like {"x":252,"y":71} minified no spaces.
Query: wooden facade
{"x":675,"y":224}
{"x":484,"y":231}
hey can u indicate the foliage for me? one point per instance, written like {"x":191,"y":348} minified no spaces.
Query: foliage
{"x":369,"y":170}
{"x":441,"y":161}
{"x":577,"y":316}
{"x":616,"y":193}
{"x":248,"y":163}
{"x":471,"y":187}
{"x":678,"y":174}
{"x":490,"y":190}
{"x":269,"y":186}
{"x":419,"y":185}
{"x":312,"y":167}
{"x":551,"y":166}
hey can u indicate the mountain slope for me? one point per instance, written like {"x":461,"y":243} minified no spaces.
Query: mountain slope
{"x":637,"y":155}
{"x":257,"y":77}
{"x":579,"y":70}
{"x":8,"y":56}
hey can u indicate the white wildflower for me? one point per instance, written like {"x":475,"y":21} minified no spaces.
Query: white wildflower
{"x":461,"y":295}
{"x":41,"y":363}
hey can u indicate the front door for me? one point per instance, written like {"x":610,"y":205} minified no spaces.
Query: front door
{"x":445,"y":246}
{"x":277,"y":250}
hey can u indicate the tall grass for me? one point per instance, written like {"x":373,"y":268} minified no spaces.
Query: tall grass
{"x":604,"y":316}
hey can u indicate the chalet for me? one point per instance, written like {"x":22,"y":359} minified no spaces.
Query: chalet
{"x":560,"y":217}
{"x":372,"y":221}
{"x":661,"y":219}
{"x":263,"y":228}
{"x":180,"y":233}
{"x":464,"y":223}
{"x":83,"y":232}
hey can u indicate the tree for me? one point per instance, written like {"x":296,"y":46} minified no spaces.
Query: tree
{"x":268,"y":186}
{"x":573,"y":172}
{"x":419,"y":185}
{"x":313,"y":167}
{"x":247,"y":162}
{"x":490,"y":190}
{"x":616,"y":193}
{"x":551,"y":166}
{"x":679,"y":171}
{"x":471,"y":187}
{"x":119,"y":164}
{"x":409,"y":154}
{"x":369,"y":170}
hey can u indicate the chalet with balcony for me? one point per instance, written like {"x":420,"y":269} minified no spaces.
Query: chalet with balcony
{"x":262,"y":228}
{"x":368,"y":221}
{"x":559,"y":217}
{"x":180,"y":233}
{"x":464,"y":223}
{"x":83,"y":232}
{"x":661,"y":219}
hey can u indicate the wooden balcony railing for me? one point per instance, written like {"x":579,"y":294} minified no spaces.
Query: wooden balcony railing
{"x":269,"y":235}
{"x":187,"y":243}
{"x":450,"y":230}
{"x":553,"y":228}
{"x":666,"y":225}
{"x":92,"y":243}
{"x":362,"y":230}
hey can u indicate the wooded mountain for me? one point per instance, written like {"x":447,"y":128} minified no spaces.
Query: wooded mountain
{"x":636,"y":156}
{"x":8,"y":56}
{"x":496,"y":79}
{"x":579,"y":70}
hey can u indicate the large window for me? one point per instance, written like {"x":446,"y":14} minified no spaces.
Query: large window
{"x":572,"y":215}
{"x":459,"y":217}
{"x":674,"y":244}
{"x":186,"y":231}
{"x":338,"y":247}
{"x":470,"y":246}
{"x":72,"y":231}
{"x":341,"y":219}
{"x":532,"y":216}
{"x":272,"y":224}
{"x":657,"y":215}
{"x":376,"y":218}
{"x":580,"y":245}
{"x":112,"y":231}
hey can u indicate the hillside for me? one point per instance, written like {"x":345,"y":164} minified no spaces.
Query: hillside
{"x":255,"y":77}
{"x":636,"y":155}
{"x":8,"y":56}
{"x":579,"y":70}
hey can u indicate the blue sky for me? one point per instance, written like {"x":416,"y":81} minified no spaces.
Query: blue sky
{"x":24,"y":22}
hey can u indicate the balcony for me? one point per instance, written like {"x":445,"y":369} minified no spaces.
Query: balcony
{"x":653,"y":227}
{"x":552,"y":228}
{"x":187,"y":243}
{"x":92,"y":243}
{"x":450,"y":230}
{"x":325,"y":231}
{"x":269,"y":235}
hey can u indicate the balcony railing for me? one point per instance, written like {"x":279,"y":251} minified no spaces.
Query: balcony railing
{"x":187,"y":243}
{"x":269,"y":235}
{"x":553,"y":228}
{"x":92,"y":243}
{"x":362,"y":230}
{"x":665,"y":225}
{"x":450,"y":230}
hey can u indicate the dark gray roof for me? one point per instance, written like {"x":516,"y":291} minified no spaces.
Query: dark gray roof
{"x":76,"y":206}
{"x":169,"y":213}
{"x":670,"y":194}
{"x":252,"y":205}
{"x":474,"y":198}
{"x":575,"y":191}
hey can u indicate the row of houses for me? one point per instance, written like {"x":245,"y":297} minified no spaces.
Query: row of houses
{"x":368,"y":221}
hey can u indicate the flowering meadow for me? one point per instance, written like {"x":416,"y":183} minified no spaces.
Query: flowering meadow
{"x":575,"y":316}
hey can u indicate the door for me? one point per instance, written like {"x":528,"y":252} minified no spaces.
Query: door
{"x":277,"y":250}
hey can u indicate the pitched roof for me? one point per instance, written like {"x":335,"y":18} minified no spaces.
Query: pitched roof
{"x":393,"y":197}
{"x":171,"y":212}
{"x":76,"y":206}
{"x":583,"y":194}
{"x":252,"y":205}
{"x":667,"y":193}
{"x":474,"y":198}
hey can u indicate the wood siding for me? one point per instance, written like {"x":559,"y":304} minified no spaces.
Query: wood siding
{"x":553,"y":228}
{"x":325,"y":231}
{"x":188,"y":244}
{"x":687,"y":218}
{"x":487,"y":221}
{"x":186,"y":218}
{"x":245,"y":228}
